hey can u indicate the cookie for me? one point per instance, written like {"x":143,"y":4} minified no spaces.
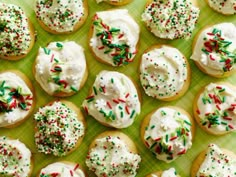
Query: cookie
{"x":168,"y":132}
{"x":113,"y":100}
{"x":214,"y":108}
{"x":166,"y":173}
{"x":113,"y":37}
{"x":60,"y":68}
{"x":214,"y":50}
{"x":164,"y":73}
{"x":226,"y":7}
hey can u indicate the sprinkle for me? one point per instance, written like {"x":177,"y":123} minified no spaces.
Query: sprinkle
{"x":109,"y":105}
{"x":59,"y":45}
{"x":73,"y":89}
{"x":132,"y":114}
{"x":127,"y":109}
{"x":95,"y":90}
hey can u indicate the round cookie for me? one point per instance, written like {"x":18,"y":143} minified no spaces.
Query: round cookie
{"x":61,"y":17}
{"x":171,"y":19}
{"x":15,"y":158}
{"x":214,"y":108}
{"x":60,"y":68}
{"x":167,"y":173}
{"x":62,"y":169}
{"x":113,"y":37}
{"x":214,"y":50}
{"x":16,"y":32}
{"x":17,"y":98}
{"x":164,"y":73}
{"x":168,"y":132}
{"x":115,"y":151}
{"x":114,"y":100}
{"x":214,"y":162}
{"x":115,"y":2}
{"x":60,"y":127}
{"x":226,"y":7}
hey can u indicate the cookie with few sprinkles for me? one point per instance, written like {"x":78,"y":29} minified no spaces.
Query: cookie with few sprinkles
{"x":171,"y":19}
{"x":225,"y":7}
{"x":61,"y":17}
{"x":63,"y":169}
{"x":114,"y":37}
{"x":213,"y":50}
{"x":214,"y":108}
{"x":59,"y":128}
{"x":16,"y":158}
{"x":108,"y":145}
{"x":17,"y":98}
{"x":55,"y":67}
{"x":164,"y":73}
{"x":17,"y":34}
{"x":168,"y":132}
{"x":165,"y":173}
{"x":214,"y":161}
{"x":115,"y":2}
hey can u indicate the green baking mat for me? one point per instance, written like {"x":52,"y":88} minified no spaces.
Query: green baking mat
{"x":25,"y":132}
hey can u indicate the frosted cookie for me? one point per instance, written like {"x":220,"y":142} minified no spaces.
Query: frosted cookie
{"x":17,"y":98}
{"x":60,"y":68}
{"x":167,"y":173}
{"x":113,"y":37}
{"x":15,"y":158}
{"x":226,"y":7}
{"x":168,"y":132}
{"x":171,"y":19}
{"x":16,"y":32}
{"x":60,"y":127}
{"x":164,"y":73}
{"x":115,"y":2}
{"x":62,"y":169}
{"x":113,"y":101}
{"x":215,"y":108}
{"x":214,"y":162}
{"x":113,"y":154}
{"x":60,"y":16}
{"x":214,"y":50}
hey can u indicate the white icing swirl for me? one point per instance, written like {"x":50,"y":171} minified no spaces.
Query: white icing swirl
{"x":14,"y":30}
{"x":16,"y":99}
{"x":163,"y":72}
{"x":169,"y":173}
{"x":114,"y":100}
{"x":60,"y":66}
{"x":62,"y":169}
{"x":171,"y":19}
{"x":168,"y":134}
{"x":215,"y":49}
{"x":217,"y":108}
{"x":217,"y":163}
{"x":60,"y":15}
{"x":118,"y":46}
{"x":58,"y":129}
{"x":223,"y":6}
{"x":15,"y":158}
{"x":112,"y":153}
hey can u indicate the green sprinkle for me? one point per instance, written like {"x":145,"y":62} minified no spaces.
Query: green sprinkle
{"x":95,"y":90}
{"x":59,"y":45}
{"x":73,"y":89}
{"x":132,"y":114}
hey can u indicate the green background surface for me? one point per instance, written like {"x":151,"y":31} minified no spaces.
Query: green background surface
{"x":25,"y":132}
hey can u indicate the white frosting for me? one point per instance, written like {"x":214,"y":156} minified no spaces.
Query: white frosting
{"x":127,"y":33}
{"x":60,"y":15}
{"x":58,"y":129}
{"x":171,"y":19}
{"x":163,"y":72}
{"x":63,"y":170}
{"x":168,"y":134}
{"x":217,"y":108}
{"x":214,"y":62}
{"x":223,"y":6}
{"x":167,"y":173}
{"x":13,"y":112}
{"x":111,"y":157}
{"x":217,"y":163}
{"x":114,"y":100}
{"x":15,"y":158}
{"x":69,"y":58}
{"x":14,"y":30}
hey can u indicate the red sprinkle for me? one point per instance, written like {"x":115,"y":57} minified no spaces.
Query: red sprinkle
{"x":76,"y":166}
{"x":109,"y":105}
{"x":127,"y":109}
